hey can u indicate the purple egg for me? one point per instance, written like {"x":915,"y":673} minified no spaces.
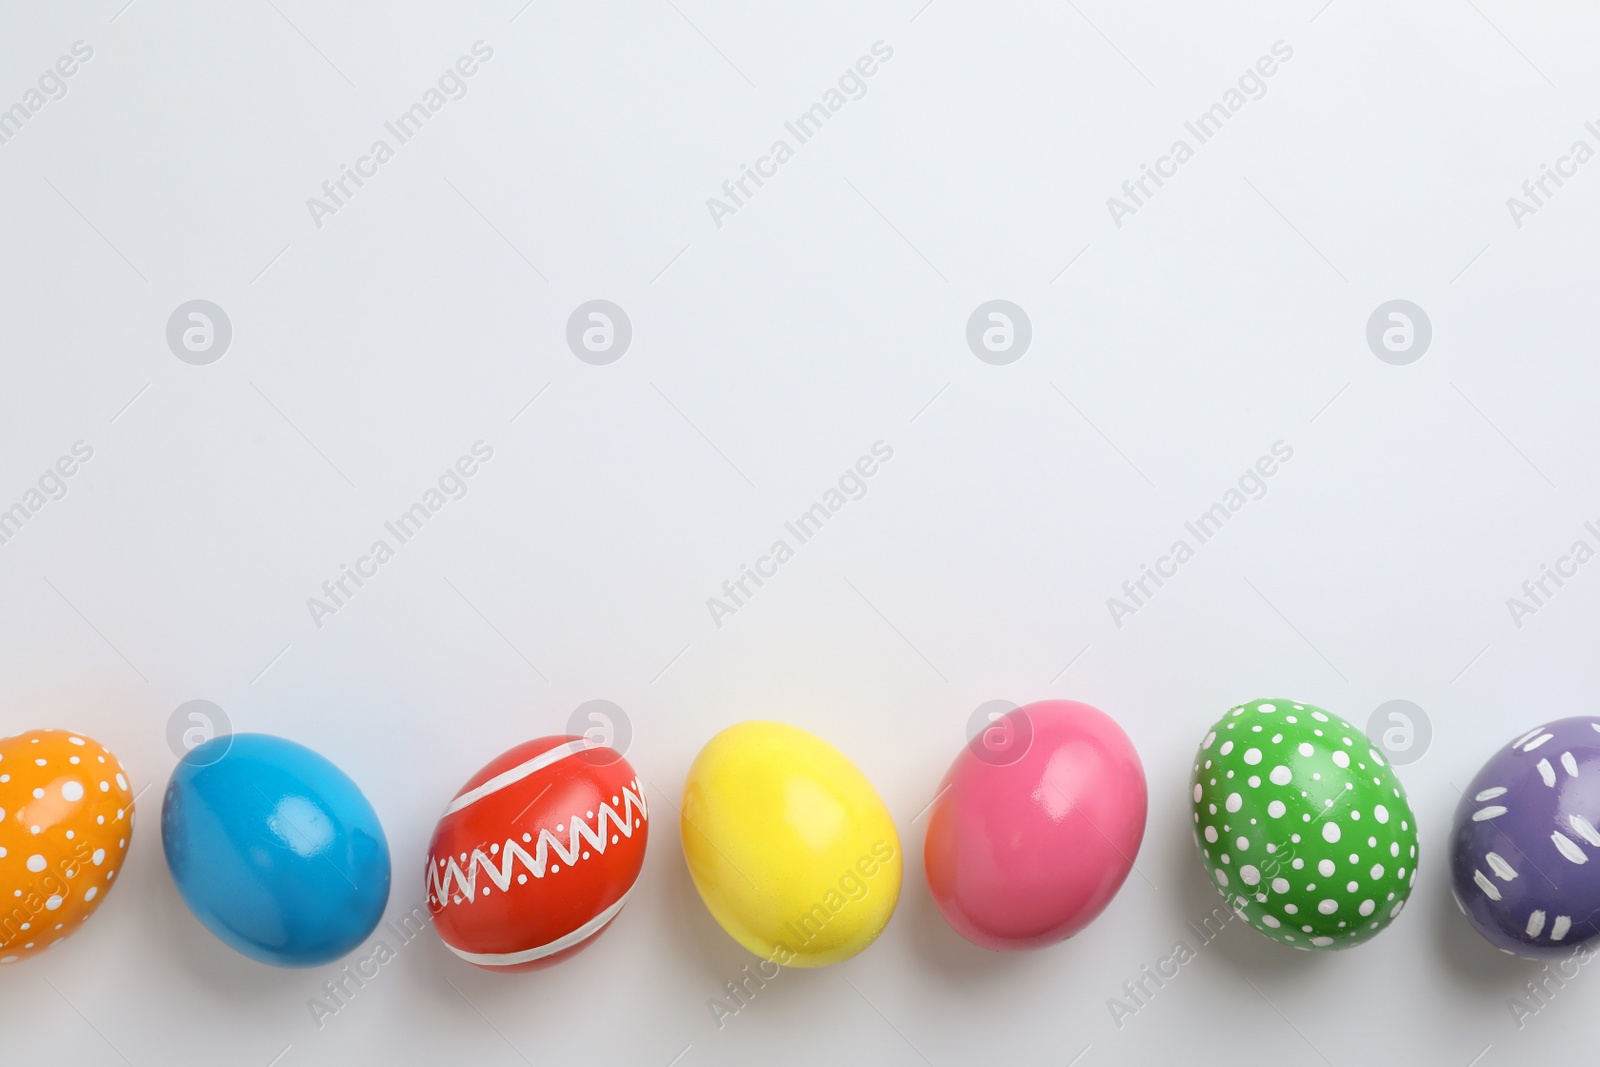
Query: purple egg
{"x":1525,"y":848}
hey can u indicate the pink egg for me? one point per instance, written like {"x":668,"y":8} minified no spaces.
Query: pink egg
{"x":1035,"y":826}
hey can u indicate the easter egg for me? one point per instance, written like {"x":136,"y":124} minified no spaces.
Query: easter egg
{"x":1524,"y":835}
{"x":1302,"y":825}
{"x":789,"y":845}
{"x":274,"y":849}
{"x":536,"y":854}
{"x":1026,"y":846}
{"x":66,"y":814}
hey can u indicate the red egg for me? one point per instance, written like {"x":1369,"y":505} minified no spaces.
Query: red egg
{"x":536,"y":854}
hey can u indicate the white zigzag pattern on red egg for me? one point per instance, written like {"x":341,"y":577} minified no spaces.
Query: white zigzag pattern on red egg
{"x":442,"y":873}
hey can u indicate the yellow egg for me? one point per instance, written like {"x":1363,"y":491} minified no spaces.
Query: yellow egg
{"x":789,"y":845}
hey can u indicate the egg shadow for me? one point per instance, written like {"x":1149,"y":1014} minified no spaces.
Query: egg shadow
{"x":949,"y":955}
{"x":710,"y":952}
{"x":950,"y":958}
{"x":1219,"y":928}
{"x":1472,"y":960}
{"x":703,"y":946}
{"x":663,"y":898}
{"x":707,"y":958}
{"x":212,"y":965}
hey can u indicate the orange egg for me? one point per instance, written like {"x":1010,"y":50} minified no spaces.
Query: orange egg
{"x":66,"y":814}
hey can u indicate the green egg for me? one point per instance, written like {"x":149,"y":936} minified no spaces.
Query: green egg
{"x":1302,"y":825}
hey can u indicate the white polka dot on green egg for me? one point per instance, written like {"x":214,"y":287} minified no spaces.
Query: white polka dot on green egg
{"x":1302,"y":825}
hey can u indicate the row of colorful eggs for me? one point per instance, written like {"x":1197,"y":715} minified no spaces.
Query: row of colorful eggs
{"x":1299,"y":822}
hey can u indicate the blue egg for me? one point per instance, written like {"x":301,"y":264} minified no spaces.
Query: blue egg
{"x":274,"y":849}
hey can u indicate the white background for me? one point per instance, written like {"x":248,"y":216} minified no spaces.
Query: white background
{"x":768,"y":354}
